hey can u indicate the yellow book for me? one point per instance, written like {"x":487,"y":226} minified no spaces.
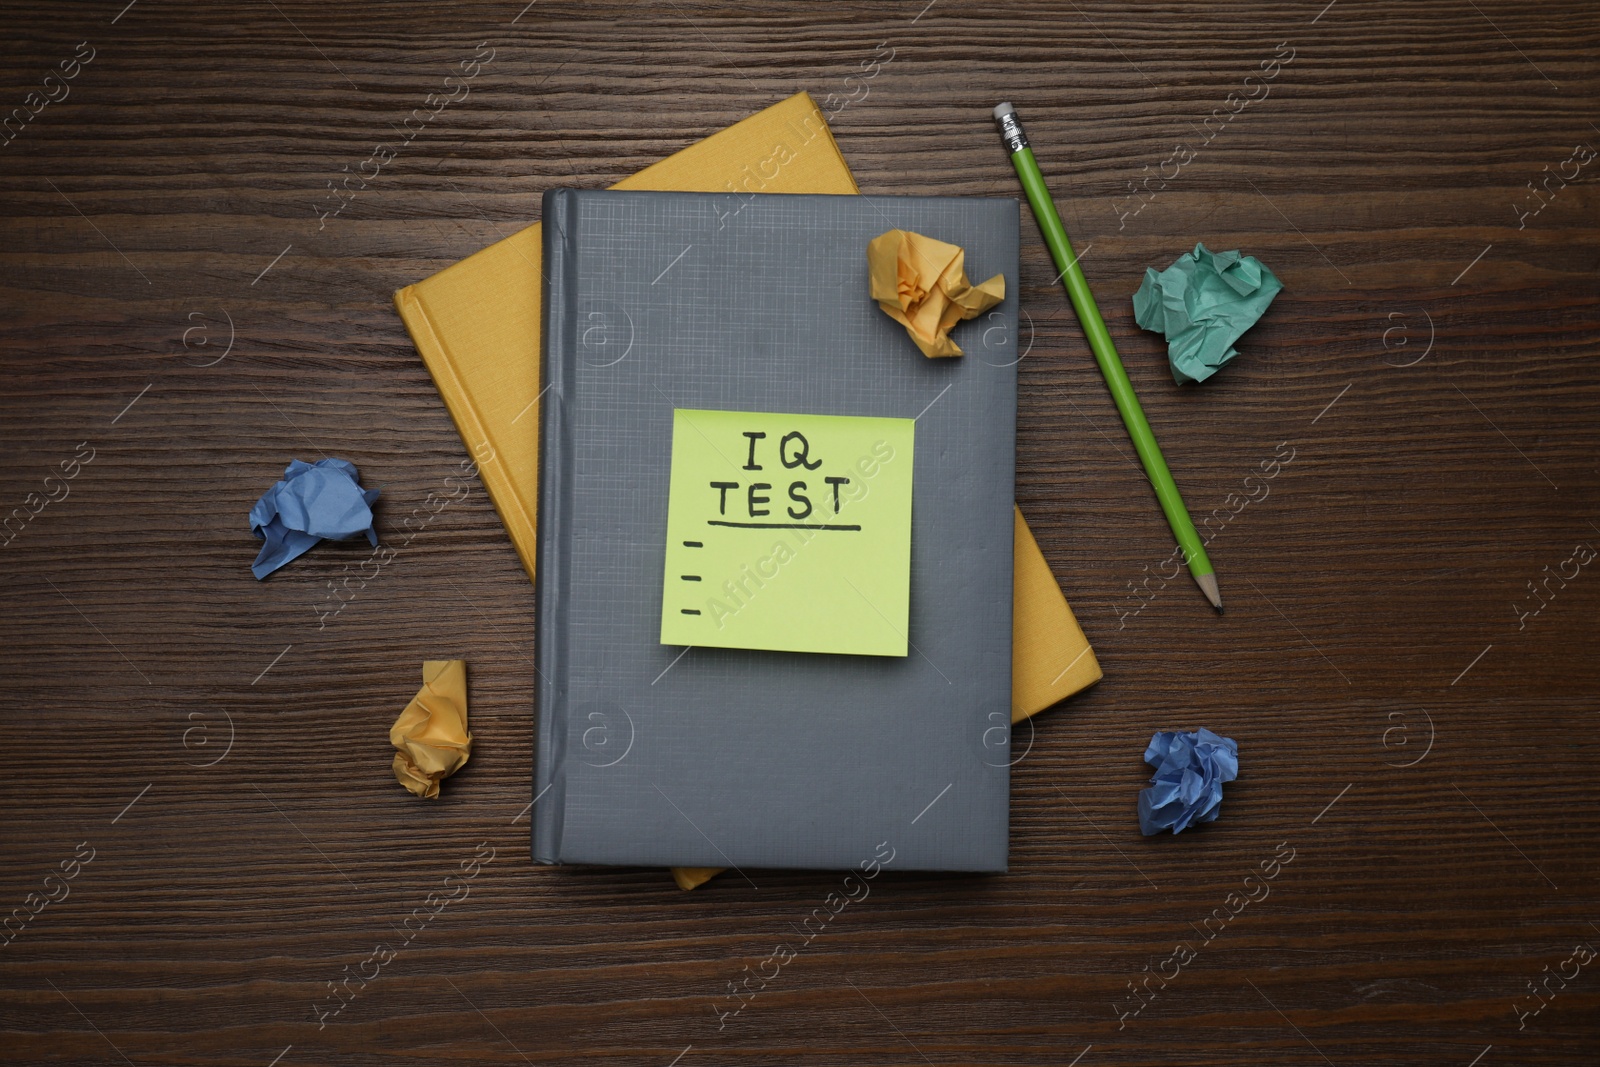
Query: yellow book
{"x":476,"y":324}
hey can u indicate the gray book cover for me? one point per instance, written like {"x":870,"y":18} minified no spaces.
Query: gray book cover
{"x":657,"y":754}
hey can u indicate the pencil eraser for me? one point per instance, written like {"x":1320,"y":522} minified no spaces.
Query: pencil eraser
{"x":1003,"y":109}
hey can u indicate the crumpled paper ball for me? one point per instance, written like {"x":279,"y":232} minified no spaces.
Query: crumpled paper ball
{"x":430,"y":735}
{"x":1203,"y":303}
{"x":312,"y":501}
{"x":922,"y":284}
{"x":1187,"y":785}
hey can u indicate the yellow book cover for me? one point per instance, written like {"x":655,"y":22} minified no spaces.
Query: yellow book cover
{"x":476,"y":324}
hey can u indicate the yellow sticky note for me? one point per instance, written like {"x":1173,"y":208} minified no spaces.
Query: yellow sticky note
{"x":789,"y":532}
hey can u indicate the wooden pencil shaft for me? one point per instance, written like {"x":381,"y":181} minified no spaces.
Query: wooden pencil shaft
{"x":1111,"y":368}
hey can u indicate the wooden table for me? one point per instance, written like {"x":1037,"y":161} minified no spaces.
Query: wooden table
{"x":1408,"y":660}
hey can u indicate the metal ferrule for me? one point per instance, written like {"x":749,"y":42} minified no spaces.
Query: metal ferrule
{"x":1011,"y":133}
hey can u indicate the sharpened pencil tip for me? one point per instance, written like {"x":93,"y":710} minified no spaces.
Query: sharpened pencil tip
{"x":1208,"y":586}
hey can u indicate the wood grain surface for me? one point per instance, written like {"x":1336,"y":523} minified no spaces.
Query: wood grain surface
{"x":1417,"y":730}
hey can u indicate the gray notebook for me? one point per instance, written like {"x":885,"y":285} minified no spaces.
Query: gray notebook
{"x":652,"y":753}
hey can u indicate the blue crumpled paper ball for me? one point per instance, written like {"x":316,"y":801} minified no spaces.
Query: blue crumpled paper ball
{"x":1187,"y":785}
{"x":311,"y":502}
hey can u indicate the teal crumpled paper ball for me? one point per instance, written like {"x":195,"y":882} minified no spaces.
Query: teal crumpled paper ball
{"x":1203,"y":303}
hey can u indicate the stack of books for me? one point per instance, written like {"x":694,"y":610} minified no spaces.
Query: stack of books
{"x":786,"y":609}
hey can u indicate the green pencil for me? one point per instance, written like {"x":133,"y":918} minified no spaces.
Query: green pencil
{"x":1105,"y":353}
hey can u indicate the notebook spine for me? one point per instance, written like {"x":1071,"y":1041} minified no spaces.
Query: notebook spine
{"x":552,"y":571}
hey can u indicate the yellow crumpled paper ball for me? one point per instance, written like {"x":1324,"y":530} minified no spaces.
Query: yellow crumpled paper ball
{"x":922,"y":284}
{"x":431,"y":733}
